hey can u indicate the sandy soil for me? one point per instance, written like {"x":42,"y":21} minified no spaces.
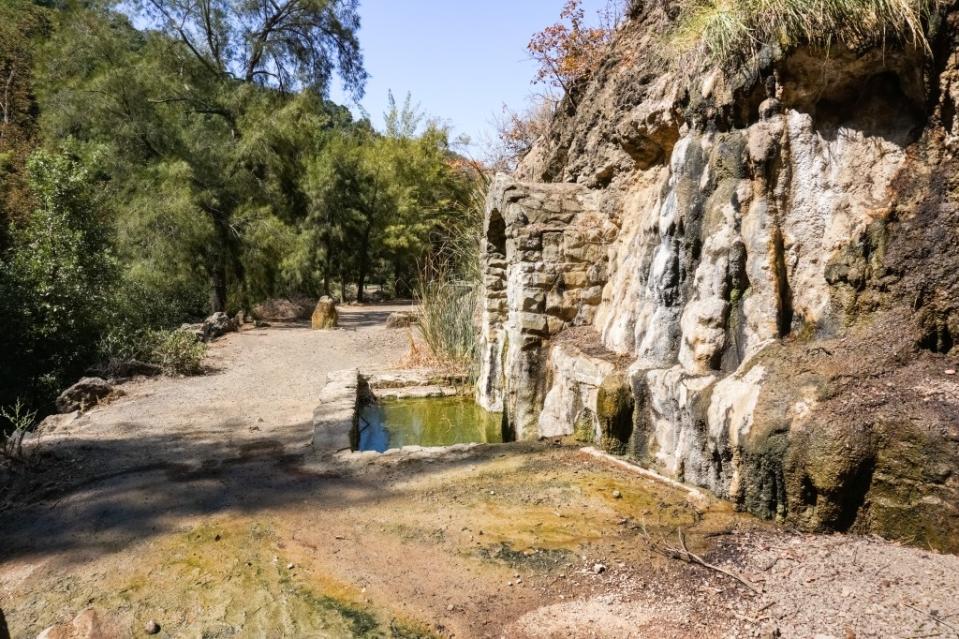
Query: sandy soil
{"x":197,"y":503}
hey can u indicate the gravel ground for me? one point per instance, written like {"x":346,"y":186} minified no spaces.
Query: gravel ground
{"x":196,"y":502}
{"x":845,"y":586}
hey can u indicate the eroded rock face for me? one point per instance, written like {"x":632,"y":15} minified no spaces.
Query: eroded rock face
{"x":753,"y":258}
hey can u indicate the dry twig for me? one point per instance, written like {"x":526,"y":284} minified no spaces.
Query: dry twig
{"x":935,"y":618}
{"x":684,"y":554}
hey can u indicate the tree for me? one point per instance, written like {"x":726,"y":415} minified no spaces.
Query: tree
{"x":22,"y":26}
{"x":167,"y":114}
{"x":517,"y":132}
{"x":58,"y":279}
{"x":569,"y":50}
{"x":287,"y":44}
{"x":378,"y":200}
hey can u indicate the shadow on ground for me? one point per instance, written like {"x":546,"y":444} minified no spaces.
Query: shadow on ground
{"x":100,"y":495}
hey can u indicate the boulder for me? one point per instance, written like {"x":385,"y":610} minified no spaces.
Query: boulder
{"x":89,"y":624}
{"x":136,"y":368}
{"x":325,"y":315}
{"x":88,"y":392}
{"x":283,"y":310}
{"x":217,"y":325}
{"x":402,"y":319}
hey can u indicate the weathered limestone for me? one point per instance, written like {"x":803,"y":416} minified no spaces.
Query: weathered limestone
{"x":571,"y":402}
{"x":544,"y":263}
{"x":716,"y":233}
{"x":325,"y":316}
{"x":334,"y":419}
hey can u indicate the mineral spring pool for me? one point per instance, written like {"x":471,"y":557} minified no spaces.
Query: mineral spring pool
{"x":426,"y":422}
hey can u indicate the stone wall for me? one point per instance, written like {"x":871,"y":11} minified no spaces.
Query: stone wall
{"x":545,"y":265}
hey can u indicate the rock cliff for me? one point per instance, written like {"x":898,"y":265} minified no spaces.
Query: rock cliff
{"x":747,"y":279}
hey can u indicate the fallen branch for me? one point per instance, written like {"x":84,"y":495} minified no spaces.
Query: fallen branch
{"x":683,"y":553}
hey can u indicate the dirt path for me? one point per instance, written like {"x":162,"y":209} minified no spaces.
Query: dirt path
{"x":198,"y":504}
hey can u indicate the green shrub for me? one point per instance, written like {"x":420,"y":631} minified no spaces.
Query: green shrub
{"x":55,"y":284}
{"x":138,"y":313}
{"x":726,"y":30}
{"x":177,"y":352}
{"x":19,"y":421}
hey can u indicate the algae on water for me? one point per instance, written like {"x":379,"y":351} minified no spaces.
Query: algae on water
{"x":426,"y":422}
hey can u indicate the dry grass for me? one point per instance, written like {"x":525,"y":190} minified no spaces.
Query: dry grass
{"x":728,"y":30}
{"x":449,"y":289}
{"x":446,"y":320}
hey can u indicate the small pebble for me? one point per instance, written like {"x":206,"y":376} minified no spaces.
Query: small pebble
{"x":289,"y":566}
{"x":450,"y":608}
{"x":599,"y":569}
{"x":617,"y":494}
{"x":151,"y":627}
{"x":951,"y":371}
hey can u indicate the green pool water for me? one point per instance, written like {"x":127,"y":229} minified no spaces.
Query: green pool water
{"x":426,"y":422}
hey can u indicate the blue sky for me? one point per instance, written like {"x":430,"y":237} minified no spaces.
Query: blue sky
{"x":461,"y":60}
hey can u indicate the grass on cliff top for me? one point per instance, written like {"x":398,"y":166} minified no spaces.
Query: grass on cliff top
{"x":728,"y":30}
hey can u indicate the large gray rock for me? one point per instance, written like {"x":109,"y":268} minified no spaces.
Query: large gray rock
{"x":284,"y":310}
{"x":125,"y":369}
{"x":86,"y":393}
{"x":218,"y":325}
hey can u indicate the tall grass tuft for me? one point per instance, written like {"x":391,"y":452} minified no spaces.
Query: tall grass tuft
{"x":730,"y":30}
{"x":447,"y":319}
{"x":449,"y":289}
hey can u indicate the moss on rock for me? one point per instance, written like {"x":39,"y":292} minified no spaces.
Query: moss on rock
{"x":614,"y":413}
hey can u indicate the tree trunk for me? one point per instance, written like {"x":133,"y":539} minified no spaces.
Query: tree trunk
{"x":364,"y":264}
{"x":328,"y":270}
{"x":218,"y":289}
{"x":224,"y":260}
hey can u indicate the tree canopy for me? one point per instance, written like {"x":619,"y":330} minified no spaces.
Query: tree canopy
{"x":204,"y":152}
{"x":287,"y":44}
